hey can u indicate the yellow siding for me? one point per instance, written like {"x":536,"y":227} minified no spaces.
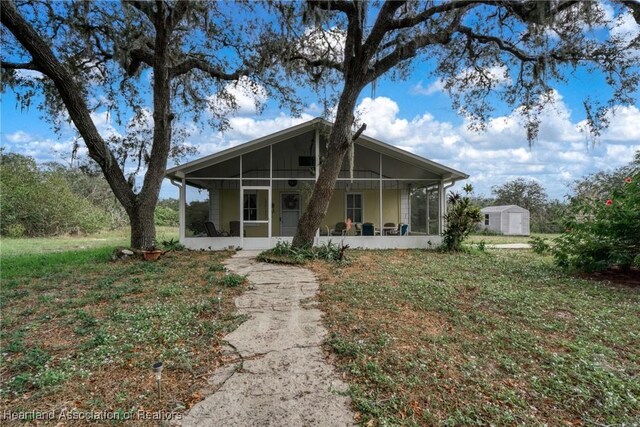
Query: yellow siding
{"x":229,"y":209}
{"x":391,"y":207}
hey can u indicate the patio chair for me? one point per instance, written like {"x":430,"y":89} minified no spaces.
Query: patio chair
{"x":368,"y":229}
{"x":339,"y":229}
{"x":234,"y":228}
{"x":391,"y":229}
{"x":404,"y":229}
{"x":211,"y":229}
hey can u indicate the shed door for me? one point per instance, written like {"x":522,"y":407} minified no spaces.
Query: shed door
{"x":515,"y":222}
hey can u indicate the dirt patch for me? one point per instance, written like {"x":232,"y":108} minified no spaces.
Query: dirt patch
{"x":616,"y":276}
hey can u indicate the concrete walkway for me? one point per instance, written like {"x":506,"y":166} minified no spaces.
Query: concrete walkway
{"x":277,"y":374}
{"x":509,"y":246}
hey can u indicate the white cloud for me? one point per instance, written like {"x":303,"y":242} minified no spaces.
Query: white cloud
{"x":102,"y":121}
{"x":247,"y":95}
{"x":497,"y":75}
{"x":19,"y":136}
{"x":501,"y":153}
{"x":626,"y":27}
{"x":433,"y":87}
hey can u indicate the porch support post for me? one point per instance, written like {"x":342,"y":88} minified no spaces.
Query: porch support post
{"x":269,"y":205}
{"x":380,"y":185}
{"x":443,"y":207}
{"x":241,"y":198}
{"x":317,"y":149}
{"x":181,"y":209}
{"x":426,"y":193}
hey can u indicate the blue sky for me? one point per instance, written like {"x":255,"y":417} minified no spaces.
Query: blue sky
{"x":414,"y":114}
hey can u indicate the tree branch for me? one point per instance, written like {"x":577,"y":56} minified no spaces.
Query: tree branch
{"x":19,"y":65}
{"x":502,"y":45}
{"x":634,"y":6}
{"x":199,"y":64}
{"x":359,"y":132}
{"x":145,"y":7}
{"x":178,"y":12}
{"x":71,"y":94}
{"x":340,"y":5}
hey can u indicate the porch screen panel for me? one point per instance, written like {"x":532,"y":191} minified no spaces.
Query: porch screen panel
{"x":197,"y":211}
{"x":366,"y":164}
{"x":295,"y":157}
{"x":255,"y":164}
{"x":354,"y":207}
{"x":425,"y":211}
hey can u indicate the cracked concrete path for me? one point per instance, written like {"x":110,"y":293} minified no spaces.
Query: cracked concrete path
{"x":278,"y":375}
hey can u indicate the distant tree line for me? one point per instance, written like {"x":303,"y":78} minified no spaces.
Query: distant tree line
{"x":53,"y":199}
{"x":547,"y":216}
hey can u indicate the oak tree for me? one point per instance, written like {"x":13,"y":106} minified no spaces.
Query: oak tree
{"x":154,"y":66}
{"x":513,"y":51}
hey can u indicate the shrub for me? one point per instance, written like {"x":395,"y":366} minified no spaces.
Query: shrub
{"x":165,"y":216}
{"x":283,"y":252}
{"x":461,"y":220}
{"x":232,"y":280}
{"x":41,"y":202}
{"x":172,"y":245}
{"x":539,"y":245}
{"x":602,"y":232}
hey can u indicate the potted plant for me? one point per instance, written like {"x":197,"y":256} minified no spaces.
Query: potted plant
{"x":151,"y":253}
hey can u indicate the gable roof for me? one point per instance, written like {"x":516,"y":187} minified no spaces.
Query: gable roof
{"x":502,"y":208}
{"x":280,"y":136}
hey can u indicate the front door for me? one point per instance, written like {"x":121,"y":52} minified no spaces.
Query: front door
{"x":289,"y":213}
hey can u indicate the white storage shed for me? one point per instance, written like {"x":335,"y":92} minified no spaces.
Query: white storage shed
{"x":510,"y":220}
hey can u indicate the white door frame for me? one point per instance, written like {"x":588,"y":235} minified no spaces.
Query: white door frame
{"x":269,"y":211}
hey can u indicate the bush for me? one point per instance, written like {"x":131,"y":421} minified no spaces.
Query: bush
{"x":539,"y":245}
{"x":172,"y":245}
{"x":232,"y":280}
{"x":283,"y":252}
{"x":40,"y":202}
{"x":602,"y":233}
{"x":167,"y":217}
{"x":461,"y":220}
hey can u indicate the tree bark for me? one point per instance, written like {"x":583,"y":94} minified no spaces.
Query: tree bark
{"x":337,"y":147}
{"x":143,"y":227}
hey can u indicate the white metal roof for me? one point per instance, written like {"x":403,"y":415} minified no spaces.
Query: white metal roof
{"x":382,"y":147}
{"x":502,"y":208}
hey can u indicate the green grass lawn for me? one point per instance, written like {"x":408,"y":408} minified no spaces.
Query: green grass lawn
{"x":81,"y":331}
{"x":112,"y":238}
{"x":497,"y":239}
{"x":498,"y":338}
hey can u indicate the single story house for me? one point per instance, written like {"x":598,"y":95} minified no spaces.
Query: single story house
{"x":253,"y":194}
{"x":509,"y":219}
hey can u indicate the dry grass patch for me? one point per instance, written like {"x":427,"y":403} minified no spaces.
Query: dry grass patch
{"x":500,"y":338}
{"x":83,"y":334}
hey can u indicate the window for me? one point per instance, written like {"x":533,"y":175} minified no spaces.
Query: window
{"x":250,"y":206}
{"x":306,"y":161}
{"x":354,"y":207}
{"x":486,"y":219}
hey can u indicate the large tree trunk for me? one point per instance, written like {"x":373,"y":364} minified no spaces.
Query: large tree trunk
{"x":143,"y":230}
{"x":143,"y":227}
{"x":337,"y":147}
